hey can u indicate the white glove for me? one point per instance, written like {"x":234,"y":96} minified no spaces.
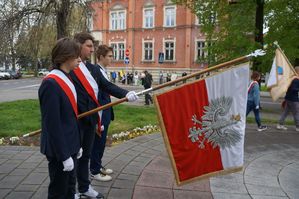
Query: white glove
{"x":102,"y":128}
{"x":131,"y":96}
{"x":68,"y":164}
{"x":257,"y":107}
{"x":79,"y":154}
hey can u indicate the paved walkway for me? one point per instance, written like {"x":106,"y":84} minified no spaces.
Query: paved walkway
{"x":142,"y":170}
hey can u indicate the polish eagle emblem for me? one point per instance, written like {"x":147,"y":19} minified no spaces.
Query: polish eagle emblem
{"x":216,"y":125}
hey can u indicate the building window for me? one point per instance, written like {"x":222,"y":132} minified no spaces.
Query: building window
{"x":169,"y":47}
{"x":148,"y":51}
{"x":118,"y":51}
{"x":169,"y":16}
{"x":118,"y":20}
{"x":200,"y":50}
{"x":148,"y":18}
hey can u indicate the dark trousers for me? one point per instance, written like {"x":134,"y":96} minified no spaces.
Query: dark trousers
{"x":62,"y":183}
{"x":98,"y":151}
{"x":148,"y":99}
{"x":251,"y":107}
{"x":82,"y":168}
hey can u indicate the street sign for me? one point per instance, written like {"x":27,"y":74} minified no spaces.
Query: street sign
{"x":127,"y":53}
{"x":127,"y":60}
{"x":161,"y":58}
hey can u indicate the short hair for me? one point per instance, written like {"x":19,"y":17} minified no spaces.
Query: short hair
{"x":82,"y":37}
{"x":103,"y":50}
{"x":64,"y":49}
{"x":255,"y":75}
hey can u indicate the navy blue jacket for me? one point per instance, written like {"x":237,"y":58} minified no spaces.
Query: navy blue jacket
{"x":85,"y":102}
{"x":60,"y":136}
{"x":292,"y":93}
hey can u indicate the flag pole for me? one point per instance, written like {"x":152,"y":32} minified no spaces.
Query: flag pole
{"x":222,"y":65}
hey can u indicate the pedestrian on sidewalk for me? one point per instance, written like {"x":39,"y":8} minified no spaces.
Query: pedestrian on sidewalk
{"x":147,"y":81}
{"x":291,"y":103}
{"x":253,"y":99}
{"x":60,"y":137}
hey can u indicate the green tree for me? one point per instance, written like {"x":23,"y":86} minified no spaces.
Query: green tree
{"x":239,"y":27}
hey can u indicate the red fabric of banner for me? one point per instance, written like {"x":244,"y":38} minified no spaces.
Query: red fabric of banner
{"x":177,"y":108}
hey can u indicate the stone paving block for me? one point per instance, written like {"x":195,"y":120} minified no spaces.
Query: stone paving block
{"x":41,"y":193}
{"x":2,"y":160}
{"x":289,"y":180}
{"x":103,"y":184}
{"x":152,"y":151}
{"x":141,"y":139}
{"x":130,"y":169}
{"x":46,"y":182}
{"x":4,"y":192}
{"x":27,"y":188}
{"x":230,"y":196}
{"x":268,"y":181}
{"x":115,"y":193}
{"x":220,"y":186}
{"x":253,"y":171}
{"x":43,"y":164}
{"x":22,"y":172}
{"x":150,"y":144}
{"x":268,"y":197}
{"x":10,"y":181}
{"x":10,"y":152}
{"x":156,"y":179}
{"x":138,"y":148}
{"x":141,"y":192}
{"x":124,"y":184}
{"x":28,"y":165}
{"x":6,"y":168}
{"x":187,"y":194}
{"x":21,"y":156}
{"x":143,"y":159}
{"x":264,"y":190}
{"x":116,"y":165}
{"x":37,"y":159}
{"x":41,"y":170}
{"x":2,"y":176}
{"x":199,"y":185}
{"x":23,"y":195}
{"x":160,"y":164}
{"x":124,"y":176}
{"x":35,"y":178}
{"x":138,"y":164}
{"x":125,"y":158}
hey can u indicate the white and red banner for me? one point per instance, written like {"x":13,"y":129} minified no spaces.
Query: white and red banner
{"x":281,"y":75}
{"x":203,"y":124}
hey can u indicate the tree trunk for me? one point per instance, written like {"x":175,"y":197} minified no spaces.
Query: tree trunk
{"x":259,"y":21}
{"x":62,"y":14}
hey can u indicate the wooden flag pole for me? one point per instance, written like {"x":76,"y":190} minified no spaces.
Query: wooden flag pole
{"x":232,"y":62}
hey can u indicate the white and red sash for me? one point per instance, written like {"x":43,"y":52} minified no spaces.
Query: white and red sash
{"x":251,"y":85}
{"x":90,"y":86}
{"x":66,"y":85}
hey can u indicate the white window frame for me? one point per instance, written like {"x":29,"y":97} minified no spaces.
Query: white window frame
{"x":196,"y":49}
{"x":119,"y":22}
{"x":143,"y":49}
{"x":144,"y":17}
{"x":165,"y":17}
{"x":118,"y":53}
{"x":174,"y":49}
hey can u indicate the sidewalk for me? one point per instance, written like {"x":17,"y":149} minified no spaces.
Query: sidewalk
{"x":142,"y":170}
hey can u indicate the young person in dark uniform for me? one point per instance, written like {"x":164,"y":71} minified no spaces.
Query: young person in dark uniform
{"x":87,"y":84}
{"x":104,"y":56}
{"x":60,"y":137}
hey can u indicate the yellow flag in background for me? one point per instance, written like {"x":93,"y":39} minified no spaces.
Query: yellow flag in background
{"x":281,"y":75}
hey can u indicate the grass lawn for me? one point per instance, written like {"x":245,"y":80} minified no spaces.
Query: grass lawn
{"x":20,"y":117}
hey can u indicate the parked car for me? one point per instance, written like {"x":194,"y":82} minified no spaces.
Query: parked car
{"x":43,"y":72}
{"x":14,"y":74}
{"x":4,"y":75}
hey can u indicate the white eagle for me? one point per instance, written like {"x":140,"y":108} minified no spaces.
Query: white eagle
{"x":216,"y":125}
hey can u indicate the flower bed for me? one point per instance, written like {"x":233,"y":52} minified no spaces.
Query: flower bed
{"x":114,"y":139}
